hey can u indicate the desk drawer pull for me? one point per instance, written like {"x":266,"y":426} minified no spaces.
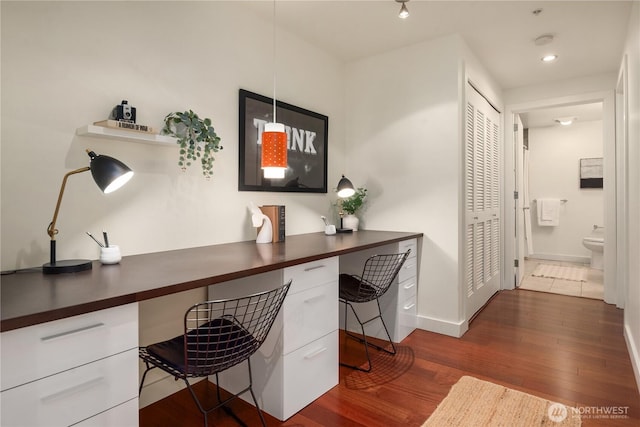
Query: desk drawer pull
{"x":409,"y":286}
{"x":74,"y":331}
{"x":315,"y":267}
{"x":409,"y":306}
{"x":315,"y":353}
{"x":83,"y":386}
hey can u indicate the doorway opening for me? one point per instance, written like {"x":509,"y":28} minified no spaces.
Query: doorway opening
{"x":560,"y":172}
{"x":569,"y":250}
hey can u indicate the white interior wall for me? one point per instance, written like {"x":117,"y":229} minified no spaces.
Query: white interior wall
{"x":66,"y":64}
{"x":632,"y":302}
{"x":555,"y":154}
{"x":404,"y":145}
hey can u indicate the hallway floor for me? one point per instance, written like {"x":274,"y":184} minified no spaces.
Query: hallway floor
{"x":592,"y":288}
{"x":567,"y":350}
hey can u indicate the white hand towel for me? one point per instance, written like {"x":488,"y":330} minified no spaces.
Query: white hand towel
{"x":548,"y":212}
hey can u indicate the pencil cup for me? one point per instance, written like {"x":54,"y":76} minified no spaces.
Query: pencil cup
{"x":110,"y":255}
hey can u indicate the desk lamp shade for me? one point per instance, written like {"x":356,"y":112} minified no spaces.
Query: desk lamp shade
{"x":345,"y":188}
{"x":109,"y":174}
{"x":274,"y":151}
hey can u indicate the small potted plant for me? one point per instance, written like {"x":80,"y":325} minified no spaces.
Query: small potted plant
{"x":350,"y":206}
{"x":196,"y":137}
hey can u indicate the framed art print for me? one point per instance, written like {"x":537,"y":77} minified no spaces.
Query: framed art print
{"x":306,"y":146}
{"x":591,"y":173}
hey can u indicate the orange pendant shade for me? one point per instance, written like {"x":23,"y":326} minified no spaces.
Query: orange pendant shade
{"x":274,"y":151}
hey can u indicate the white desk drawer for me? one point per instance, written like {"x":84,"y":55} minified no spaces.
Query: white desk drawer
{"x":412,"y":244}
{"x":309,"y":315}
{"x":41,"y":350}
{"x":406,"y":318}
{"x":407,"y":288}
{"x":125,"y":415}
{"x":73,"y":395}
{"x":311,"y":274}
{"x":408,"y":270}
{"x":308,"y":373}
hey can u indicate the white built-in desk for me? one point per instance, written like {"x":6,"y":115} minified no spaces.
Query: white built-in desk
{"x":69,"y":342}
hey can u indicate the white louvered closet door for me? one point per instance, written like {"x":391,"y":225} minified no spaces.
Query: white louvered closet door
{"x":482,"y":201}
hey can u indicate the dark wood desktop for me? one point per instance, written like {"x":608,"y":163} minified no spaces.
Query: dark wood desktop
{"x":30,"y":297}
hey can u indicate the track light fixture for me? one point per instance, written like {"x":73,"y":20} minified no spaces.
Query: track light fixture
{"x":404,"y":12}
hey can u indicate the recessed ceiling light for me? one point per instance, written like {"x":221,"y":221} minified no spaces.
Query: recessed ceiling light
{"x":566,"y":121}
{"x":549,"y":58}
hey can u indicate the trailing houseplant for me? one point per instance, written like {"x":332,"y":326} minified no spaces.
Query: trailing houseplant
{"x":196,"y":137}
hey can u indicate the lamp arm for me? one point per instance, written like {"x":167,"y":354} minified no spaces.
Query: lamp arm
{"x":51,"y":230}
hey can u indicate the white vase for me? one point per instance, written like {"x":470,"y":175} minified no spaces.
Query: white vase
{"x":350,"y":221}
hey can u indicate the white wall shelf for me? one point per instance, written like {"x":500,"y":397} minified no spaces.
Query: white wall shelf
{"x":126,"y":135}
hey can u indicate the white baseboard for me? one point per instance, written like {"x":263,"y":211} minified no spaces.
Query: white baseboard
{"x":634,"y":353}
{"x":440,"y":326}
{"x":564,"y":258}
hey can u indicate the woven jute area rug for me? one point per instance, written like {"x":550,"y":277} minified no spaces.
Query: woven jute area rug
{"x":473,"y":402}
{"x":577,"y":274}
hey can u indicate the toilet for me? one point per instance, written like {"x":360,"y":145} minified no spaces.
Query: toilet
{"x":595,"y":243}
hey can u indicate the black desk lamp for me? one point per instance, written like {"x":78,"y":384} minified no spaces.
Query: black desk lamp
{"x":345,"y":189}
{"x":109,"y":174}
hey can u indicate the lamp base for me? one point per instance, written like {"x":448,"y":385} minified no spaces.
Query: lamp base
{"x":344,"y":230}
{"x":67,"y":266}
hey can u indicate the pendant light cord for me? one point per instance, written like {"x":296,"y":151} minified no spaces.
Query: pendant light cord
{"x":274,"y":61}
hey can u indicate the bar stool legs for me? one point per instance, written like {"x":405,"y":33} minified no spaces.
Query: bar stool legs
{"x":364,"y":340}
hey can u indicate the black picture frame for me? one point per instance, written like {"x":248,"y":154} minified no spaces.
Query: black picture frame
{"x":307,"y":140}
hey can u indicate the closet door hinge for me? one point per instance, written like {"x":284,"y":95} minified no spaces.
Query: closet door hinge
{"x":515,"y":127}
{"x":516,"y":263}
{"x":515,"y":195}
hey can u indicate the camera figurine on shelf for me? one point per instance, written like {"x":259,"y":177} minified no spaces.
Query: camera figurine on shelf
{"x":124,"y":112}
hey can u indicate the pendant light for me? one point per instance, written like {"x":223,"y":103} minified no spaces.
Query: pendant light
{"x":274,"y":137}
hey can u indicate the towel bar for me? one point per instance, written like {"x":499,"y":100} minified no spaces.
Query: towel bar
{"x":561,"y":200}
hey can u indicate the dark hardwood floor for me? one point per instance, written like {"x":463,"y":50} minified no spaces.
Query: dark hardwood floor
{"x":565,"y":349}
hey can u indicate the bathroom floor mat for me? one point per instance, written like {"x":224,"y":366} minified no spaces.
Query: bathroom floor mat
{"x":577,"y":274}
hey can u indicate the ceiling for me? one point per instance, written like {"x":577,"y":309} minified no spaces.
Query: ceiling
{"x":588,"y":35}
{"x":547,"y":117}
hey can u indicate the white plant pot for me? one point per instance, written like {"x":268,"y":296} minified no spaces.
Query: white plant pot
{"x":350,"y":221}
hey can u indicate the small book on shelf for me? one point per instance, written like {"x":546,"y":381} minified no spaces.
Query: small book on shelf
{"x":117,"y":124}
{"x":276,"y":214}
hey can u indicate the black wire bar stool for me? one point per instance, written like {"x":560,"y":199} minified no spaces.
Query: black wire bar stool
{"x":217,"y":335}
{"x":377,"y":276}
